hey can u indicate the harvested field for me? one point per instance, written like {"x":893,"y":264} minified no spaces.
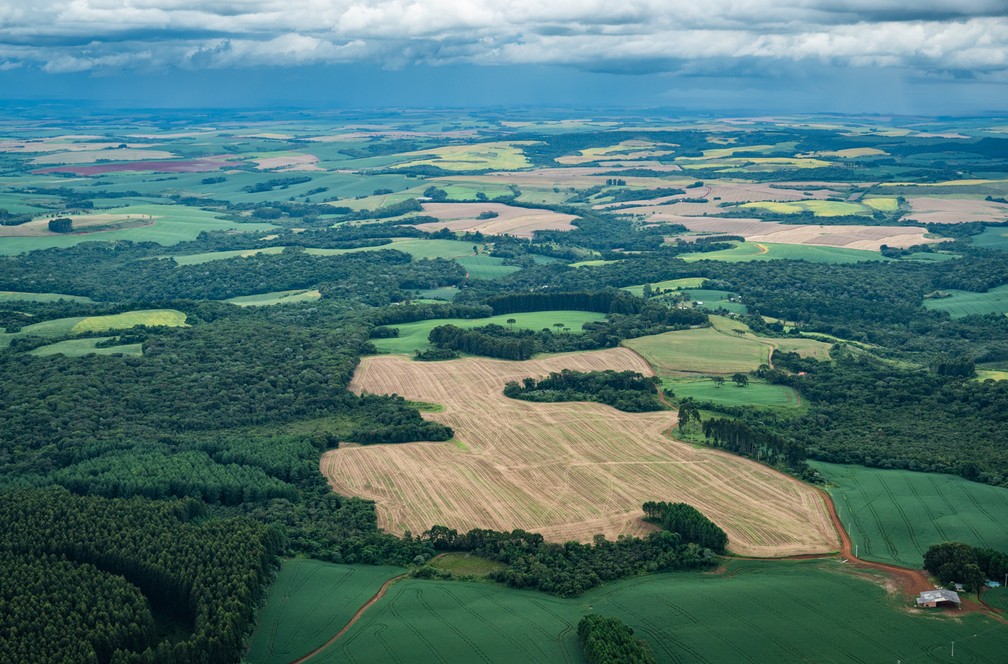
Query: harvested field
{"x":567,"y":470}
{"x":928,"y":210}
{"x":82,"y":223}
{"x":175,"y":166}
{"x":851,"y":237}
{"x":91,"y":156}
{"x":520,"y":222}
{"x":288,"y":162}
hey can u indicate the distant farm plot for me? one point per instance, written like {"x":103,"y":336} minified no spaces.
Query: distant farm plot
{"x":413,"y":336}
{"x":868,"y":238}
{"x":765,"y":251}
{"x":933,"y":210}
{"x":16,"y":296}
{"x":625,"y":151}
{"x":81,"y":347}
{"x":716,"y":350}
{"x":497,"y":156}
{"x":785,"y":612}
{"x":277,"y":297}
{"x":671,"y":284}
{"x":163,"y":224}
{"x":817,"y":207}
{"x":965,"y":303}
{"x":895,"y":515}
{"x":993,"y":237}
{"x":567,"y":470}
{"x":308,"y":603}
{"x":206,"y":257}
{"x":509,"y":220}
{"x":60,"y":327}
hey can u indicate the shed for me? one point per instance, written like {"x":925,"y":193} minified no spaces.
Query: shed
{"x":933,"y":598}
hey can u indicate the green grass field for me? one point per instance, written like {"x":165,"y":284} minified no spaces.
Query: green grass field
{"x":464,"y":564}
{"x":671,"y":284}
{"x":750,"y":251}
{"x":172,"y":224}
{"x":82,"y":347}
{"x":277,"y":297}
{"x":61,"y":327}
{"x":446,"y":293}
{"x":755,"y":611}
{"x":206,"y":257}
{"x":993,"y":237}
{"x":413,"y":336}
{"x":965,"y":303}
{"x":703,"y":350}
{"x":308,"y":603}
{"x":716,"y":299}
{"x":13,"y":296}
{"x":895,"y":515}
{"x":817,"y":207}
{"x":754,"y":394}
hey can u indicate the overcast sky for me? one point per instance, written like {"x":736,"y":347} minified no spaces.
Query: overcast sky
{"x":941,"y":56}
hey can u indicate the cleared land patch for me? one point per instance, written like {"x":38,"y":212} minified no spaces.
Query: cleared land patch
{"x":277,"y":297}
{"x":82,"y":347}
{"x":965,"y":303}
{"x":765,"y":251}
{"x":498,"y":156}
{"x":931,"y":210}
{"x":754,"y":394}
{"x":566,"y":470}
{"x":520,"y":222}
{"x":895,"y":515}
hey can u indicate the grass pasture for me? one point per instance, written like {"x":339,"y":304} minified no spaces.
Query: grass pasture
{"x":819,"y":613}
{"x":819,"y":208}
{"x":966,"y":303}
{"x":895,"y":515}
{"x":766,"y":251}
{"x":15,"y":296}
{"x":464,"y":564}
{"x":413,"y":336}
{"x":82,"y":347}
{"x":671,"y":284}
{"x":700,"y":351}
{"x":62,"y":327}
{"x":308,"y":603}
{"x":754,"y":394}
{"x":277,"y":297}
{"x":993,"y":237}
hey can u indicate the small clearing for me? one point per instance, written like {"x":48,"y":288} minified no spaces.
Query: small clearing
{"x":566,"y":470}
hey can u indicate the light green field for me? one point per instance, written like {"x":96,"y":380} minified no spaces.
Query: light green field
{"x":172,"y":224}
{"x":728,"y":346}
{"x":895,"y":515}
{"x":716,"y":299}
{"x":485,"y":267}
{"x":751,"y":251}
{"x":308,"y":603}
{"x":60,"y":327}
{"x":671,"y":284}
{"x":446,"y":293}
{"x":883,"y":204}
{"x":756,"y":393}
{"x":14,"y":296}
{"x":755,"y":612}
{"x":497,"y":156}
{"x":593,"y":263}
{"x":965,"y":303}
{"x":206,"y":257}
{"x":413,"y":336}
{"x":993,"y":237}
{"x":817,"y":207}
{"x":464,"y":564}
{"x":82,"y":347}
{"x":277,"y":297}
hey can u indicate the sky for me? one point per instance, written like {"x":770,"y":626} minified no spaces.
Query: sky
{"x":930,"y":57}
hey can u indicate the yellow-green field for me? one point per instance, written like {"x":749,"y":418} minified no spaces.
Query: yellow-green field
{"x":81,"y":347}
{"x":817,"y":207}
{"x":124,"y":321}
{"x":497,"y":156}
{"x":277,"y":297}
{"x":671,"y":284}
{"x":882,"y":203}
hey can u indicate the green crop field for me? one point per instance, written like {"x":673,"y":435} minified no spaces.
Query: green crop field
{"x":206,"y":257}
{"x":965,"y":303}
{"x":446,"y":293}
{"x":60,"y":327}
{"x":12,"y":296}
{"x":993,"y":237}
{"x":756,"y":611}
{"x":171,"y":224}
{"x":895,"y":515}
{"x":756,"y":393}
{"x":702,"y":350}
{"x":751,"y":251}
{"x":671,"y":284}
{"x":82,"y":347}
{"x":413,"y":336}
{"x":817,"y":207}
{"x":464,"y":564}
{"x":308,"y":603}
{"x":485,"y":267}
{"x":277,"y":297}
{"x":716,"y":299}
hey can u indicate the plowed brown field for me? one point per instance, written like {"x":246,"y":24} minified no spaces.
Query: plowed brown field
{"x":566,"y":470}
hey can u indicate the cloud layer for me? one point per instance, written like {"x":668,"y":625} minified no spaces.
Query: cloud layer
{"x":945,"y":38}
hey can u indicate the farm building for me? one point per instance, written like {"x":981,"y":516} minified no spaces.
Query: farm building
{"x":933,"y":598}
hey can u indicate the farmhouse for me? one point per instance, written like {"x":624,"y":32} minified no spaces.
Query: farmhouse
{"x":932,"y":598}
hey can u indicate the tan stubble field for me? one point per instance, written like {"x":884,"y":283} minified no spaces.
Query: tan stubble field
{"x":566,"y":470}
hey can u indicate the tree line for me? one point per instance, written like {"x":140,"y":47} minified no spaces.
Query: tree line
{"x":628,"y":391}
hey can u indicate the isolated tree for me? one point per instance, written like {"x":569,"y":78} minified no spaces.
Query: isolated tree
{"x":718,"y":380}
{"x":511,"y":321}
{"x":740,"y":379}
{"x":558,"y":326}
